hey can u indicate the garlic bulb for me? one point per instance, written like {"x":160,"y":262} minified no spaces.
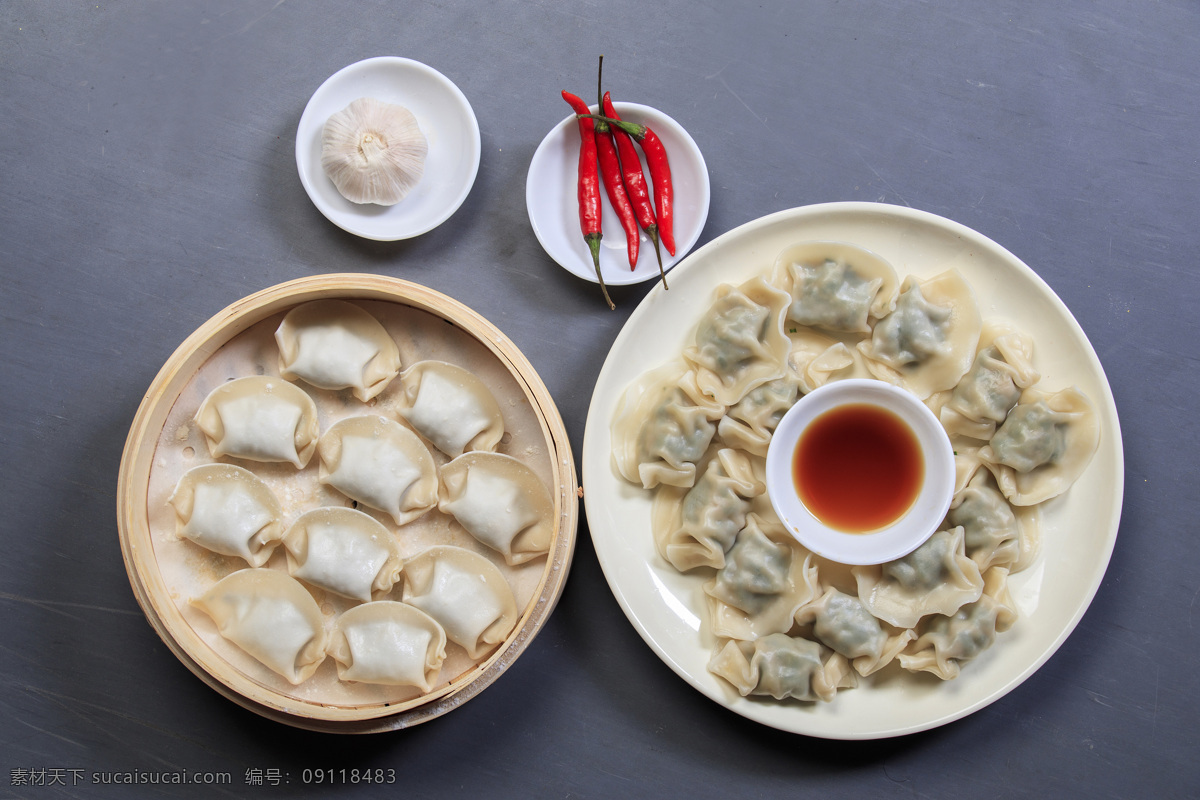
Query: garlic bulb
{"x":374,"y":152}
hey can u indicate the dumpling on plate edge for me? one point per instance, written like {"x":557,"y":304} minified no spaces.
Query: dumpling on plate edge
{"x":783,"y":667}
{"x":739,"y":342}
{"x":835,"y":285}
{"x":663,"y":427}
{"x":1043,"y":446}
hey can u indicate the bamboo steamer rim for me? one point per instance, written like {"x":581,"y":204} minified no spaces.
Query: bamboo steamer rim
{"x":138,"y":551}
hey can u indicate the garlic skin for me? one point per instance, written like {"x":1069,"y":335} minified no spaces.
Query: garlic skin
{"x":374,"y":152}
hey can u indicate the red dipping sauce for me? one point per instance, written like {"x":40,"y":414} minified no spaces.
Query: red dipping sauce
{"x":858,"y":468}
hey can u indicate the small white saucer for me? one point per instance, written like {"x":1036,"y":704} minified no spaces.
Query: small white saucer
{"x":898,"y":538}
{"x":552,"y":200}
{"x":446,"y":119}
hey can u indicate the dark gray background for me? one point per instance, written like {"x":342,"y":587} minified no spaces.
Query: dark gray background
{"x":147,"y":180}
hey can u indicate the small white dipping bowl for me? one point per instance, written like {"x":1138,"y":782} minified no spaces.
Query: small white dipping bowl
{"x":907,"y":532}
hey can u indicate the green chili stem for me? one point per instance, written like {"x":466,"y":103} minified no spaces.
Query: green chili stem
{"x":632,"y":128}
{"x":593,"y":241}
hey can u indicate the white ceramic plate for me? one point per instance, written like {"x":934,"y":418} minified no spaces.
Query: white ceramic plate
{"x":552,"y":200}
{"x":446,"y":119}
{"x":1080,"y":528}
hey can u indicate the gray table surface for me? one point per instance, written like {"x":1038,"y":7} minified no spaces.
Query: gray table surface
{"x":147,"y":180}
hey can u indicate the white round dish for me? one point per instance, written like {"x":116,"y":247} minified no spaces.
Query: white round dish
{"x":900,"y":537}
{"x":1079,"y":528}
{"x":551,"y":199}
{"x":446,"y":119}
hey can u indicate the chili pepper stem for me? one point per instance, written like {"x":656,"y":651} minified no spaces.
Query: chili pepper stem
{"x":661,"y":272}
{"x":593,"y":241}
{"x":635,"y":130}
{"x":600,"y":82}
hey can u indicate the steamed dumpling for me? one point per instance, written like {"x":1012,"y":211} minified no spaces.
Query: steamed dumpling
{"x":766,"y":578}
{"x":380,"y":463}
{"x":228,"y":510}
{"x":843,"y":623}
{"x":994,"y":533}
{"x":333,"y":344}
{"x":260,"y":418}
{"x":272,"y":617}
{"x":695,"y":528}
{"x":450,"y":407}
{"x":501,"y":502}
{"x":343,"y":551}
{"x":389,"y":643}
{"x":466,"y":593}
{"x":949,"y":641}
{"x":1002,"y":369}
{"x":750,"y":423}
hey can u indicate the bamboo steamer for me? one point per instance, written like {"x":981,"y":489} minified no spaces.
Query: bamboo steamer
{"x":142,"y":548}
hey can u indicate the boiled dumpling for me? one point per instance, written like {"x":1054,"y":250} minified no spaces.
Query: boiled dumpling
{"x":333,"y":344}
{"x":501,"y":502}
{"x":927,"y":344}
{"x":663,"y":427}
{"x":381,"y":463}
{"x":260,"y":418}
{"x":390,"y":643}
{"x":817,"y":359}
{"x":343,"y":551}
{"x":766,"y":578}
{"x":948,"y":642}
{"x":936,"y":578}
{"x":228,"y":510}
{"x":270,"y":616}
{"x":1044,"y":445}
{"x":750,"y":423}
{"x":695,"y":528}
{"x":739,"y":343}
{"x":1002,"y":369}
{"x":843,"y":623}
{"x":995,"y":533}
{"x":835,"y":286}
{"x":782,"y":666}
{"x":465,"y":592}
{"x":450,"y":407}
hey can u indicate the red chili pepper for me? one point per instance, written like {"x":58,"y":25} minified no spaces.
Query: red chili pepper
{"x":610,"y":172}
{"x":589,"y":189}
{"x":635,"y":181}
{"x":660,"y":174}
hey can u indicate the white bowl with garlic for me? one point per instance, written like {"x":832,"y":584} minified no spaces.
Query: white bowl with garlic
{"x":388,"y":148}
